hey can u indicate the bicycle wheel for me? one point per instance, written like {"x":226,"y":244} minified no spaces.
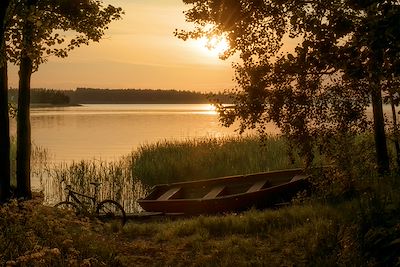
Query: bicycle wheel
{"x":68,"y":205}
{"x":111,"y":210}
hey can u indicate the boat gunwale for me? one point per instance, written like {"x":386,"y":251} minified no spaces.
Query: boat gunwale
{"x":224,"y":197}
{"x":217,"y":179}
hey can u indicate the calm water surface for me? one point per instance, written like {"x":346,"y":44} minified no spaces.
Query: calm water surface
{"x":109,"y":131}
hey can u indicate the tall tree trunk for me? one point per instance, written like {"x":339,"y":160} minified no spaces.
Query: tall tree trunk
{"x":24,"y":130}
{"x":4,"y":119}
{"x":375,"y":69}
{"x":379,"y":130}
{"x":395,"y":130}
{"x":23,"y":116}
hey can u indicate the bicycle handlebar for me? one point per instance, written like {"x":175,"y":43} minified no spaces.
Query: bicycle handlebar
{"x":69,"y":187}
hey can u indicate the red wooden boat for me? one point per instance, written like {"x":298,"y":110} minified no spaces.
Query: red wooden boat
{"x":226,"y":194}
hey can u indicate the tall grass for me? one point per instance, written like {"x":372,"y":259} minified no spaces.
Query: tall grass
{"x":301,"y":236}
{"x":361,"y":230}
{"x":128,"y":179}
{"x":39,"y":161}
{"x":172,"y":161}
{"x":117,"y":182}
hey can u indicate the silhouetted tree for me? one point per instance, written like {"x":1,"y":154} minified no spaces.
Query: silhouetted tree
{"x":136,"y":96}
{"x":345,"y":51}
{"x":4,"y":119}
{"x":33,"y":36}
{"x":42,"y":96}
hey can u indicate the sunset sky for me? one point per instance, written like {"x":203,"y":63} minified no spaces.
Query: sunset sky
{"x":139,"y":51}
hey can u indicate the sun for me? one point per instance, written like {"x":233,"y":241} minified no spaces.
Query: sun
{"x":214,"y":46}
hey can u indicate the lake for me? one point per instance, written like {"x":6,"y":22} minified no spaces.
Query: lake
{"x":108,"y":132}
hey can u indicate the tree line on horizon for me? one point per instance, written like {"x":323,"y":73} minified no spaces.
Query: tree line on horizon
{"x":117,"y":96}
{"x":141,"y":96}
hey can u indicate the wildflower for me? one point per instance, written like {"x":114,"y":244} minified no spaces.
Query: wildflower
{"x":68,"y":243}
{"x":11,"y":263}
{"x":89,"y":262}
{"x":55,"y":251}
{"x":37,"y":255}
{"x":73,"y":253}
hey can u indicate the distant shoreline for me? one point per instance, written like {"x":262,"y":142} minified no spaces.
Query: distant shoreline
{"x":48,"y":105}
{"x":64,"y":98}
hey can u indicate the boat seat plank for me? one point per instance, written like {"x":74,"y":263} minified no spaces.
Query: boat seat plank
{"x":215,"y":191}
{"x":299,"y":177}
{"x":169,"y":194}
{"x":257,"y":186}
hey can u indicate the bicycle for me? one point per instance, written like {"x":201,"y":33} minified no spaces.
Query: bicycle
{"x":106,"y":210}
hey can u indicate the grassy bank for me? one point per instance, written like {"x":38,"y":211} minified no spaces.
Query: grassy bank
{"x":363,"y":231}
{"x":360,"y":228}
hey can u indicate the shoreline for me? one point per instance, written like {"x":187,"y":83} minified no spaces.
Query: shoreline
{"x":48,"y":105}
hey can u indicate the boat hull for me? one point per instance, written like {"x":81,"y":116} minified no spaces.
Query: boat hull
{"x":227,"y":194}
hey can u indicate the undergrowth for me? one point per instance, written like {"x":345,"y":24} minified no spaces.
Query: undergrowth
{"x":351,"y":219}
{"x":364,"y":231}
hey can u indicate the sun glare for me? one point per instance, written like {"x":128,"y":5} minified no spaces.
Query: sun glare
{"x":214,"y":46}
{"x":208,"y":109}
{"x":211,"y":108}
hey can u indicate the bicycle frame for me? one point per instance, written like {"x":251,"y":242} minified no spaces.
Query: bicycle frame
{"x":74,"y":195}
{"x":105,"y":209}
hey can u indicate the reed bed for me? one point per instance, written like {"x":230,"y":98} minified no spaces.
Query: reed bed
{"x":39,"y":161}
{"x":117,"y":182}
{"x":130,"y":177}
{"x":175,"y":161}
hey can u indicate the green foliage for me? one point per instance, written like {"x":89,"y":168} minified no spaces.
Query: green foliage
{"x":378,"y":220}
{"x":35,"y":235}
{"x":345,"y":57}
{"x":351,"y":162}
{"x":30,"y":31}
{"x":35,"y":27}
{"x":12,"y":110}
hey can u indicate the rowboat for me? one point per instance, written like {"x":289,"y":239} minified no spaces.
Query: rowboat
{"x":226,"y":194}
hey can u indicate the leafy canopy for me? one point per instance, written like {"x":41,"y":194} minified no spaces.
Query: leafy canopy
{"x":346,"y":51}
{"x":83,"y":20}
